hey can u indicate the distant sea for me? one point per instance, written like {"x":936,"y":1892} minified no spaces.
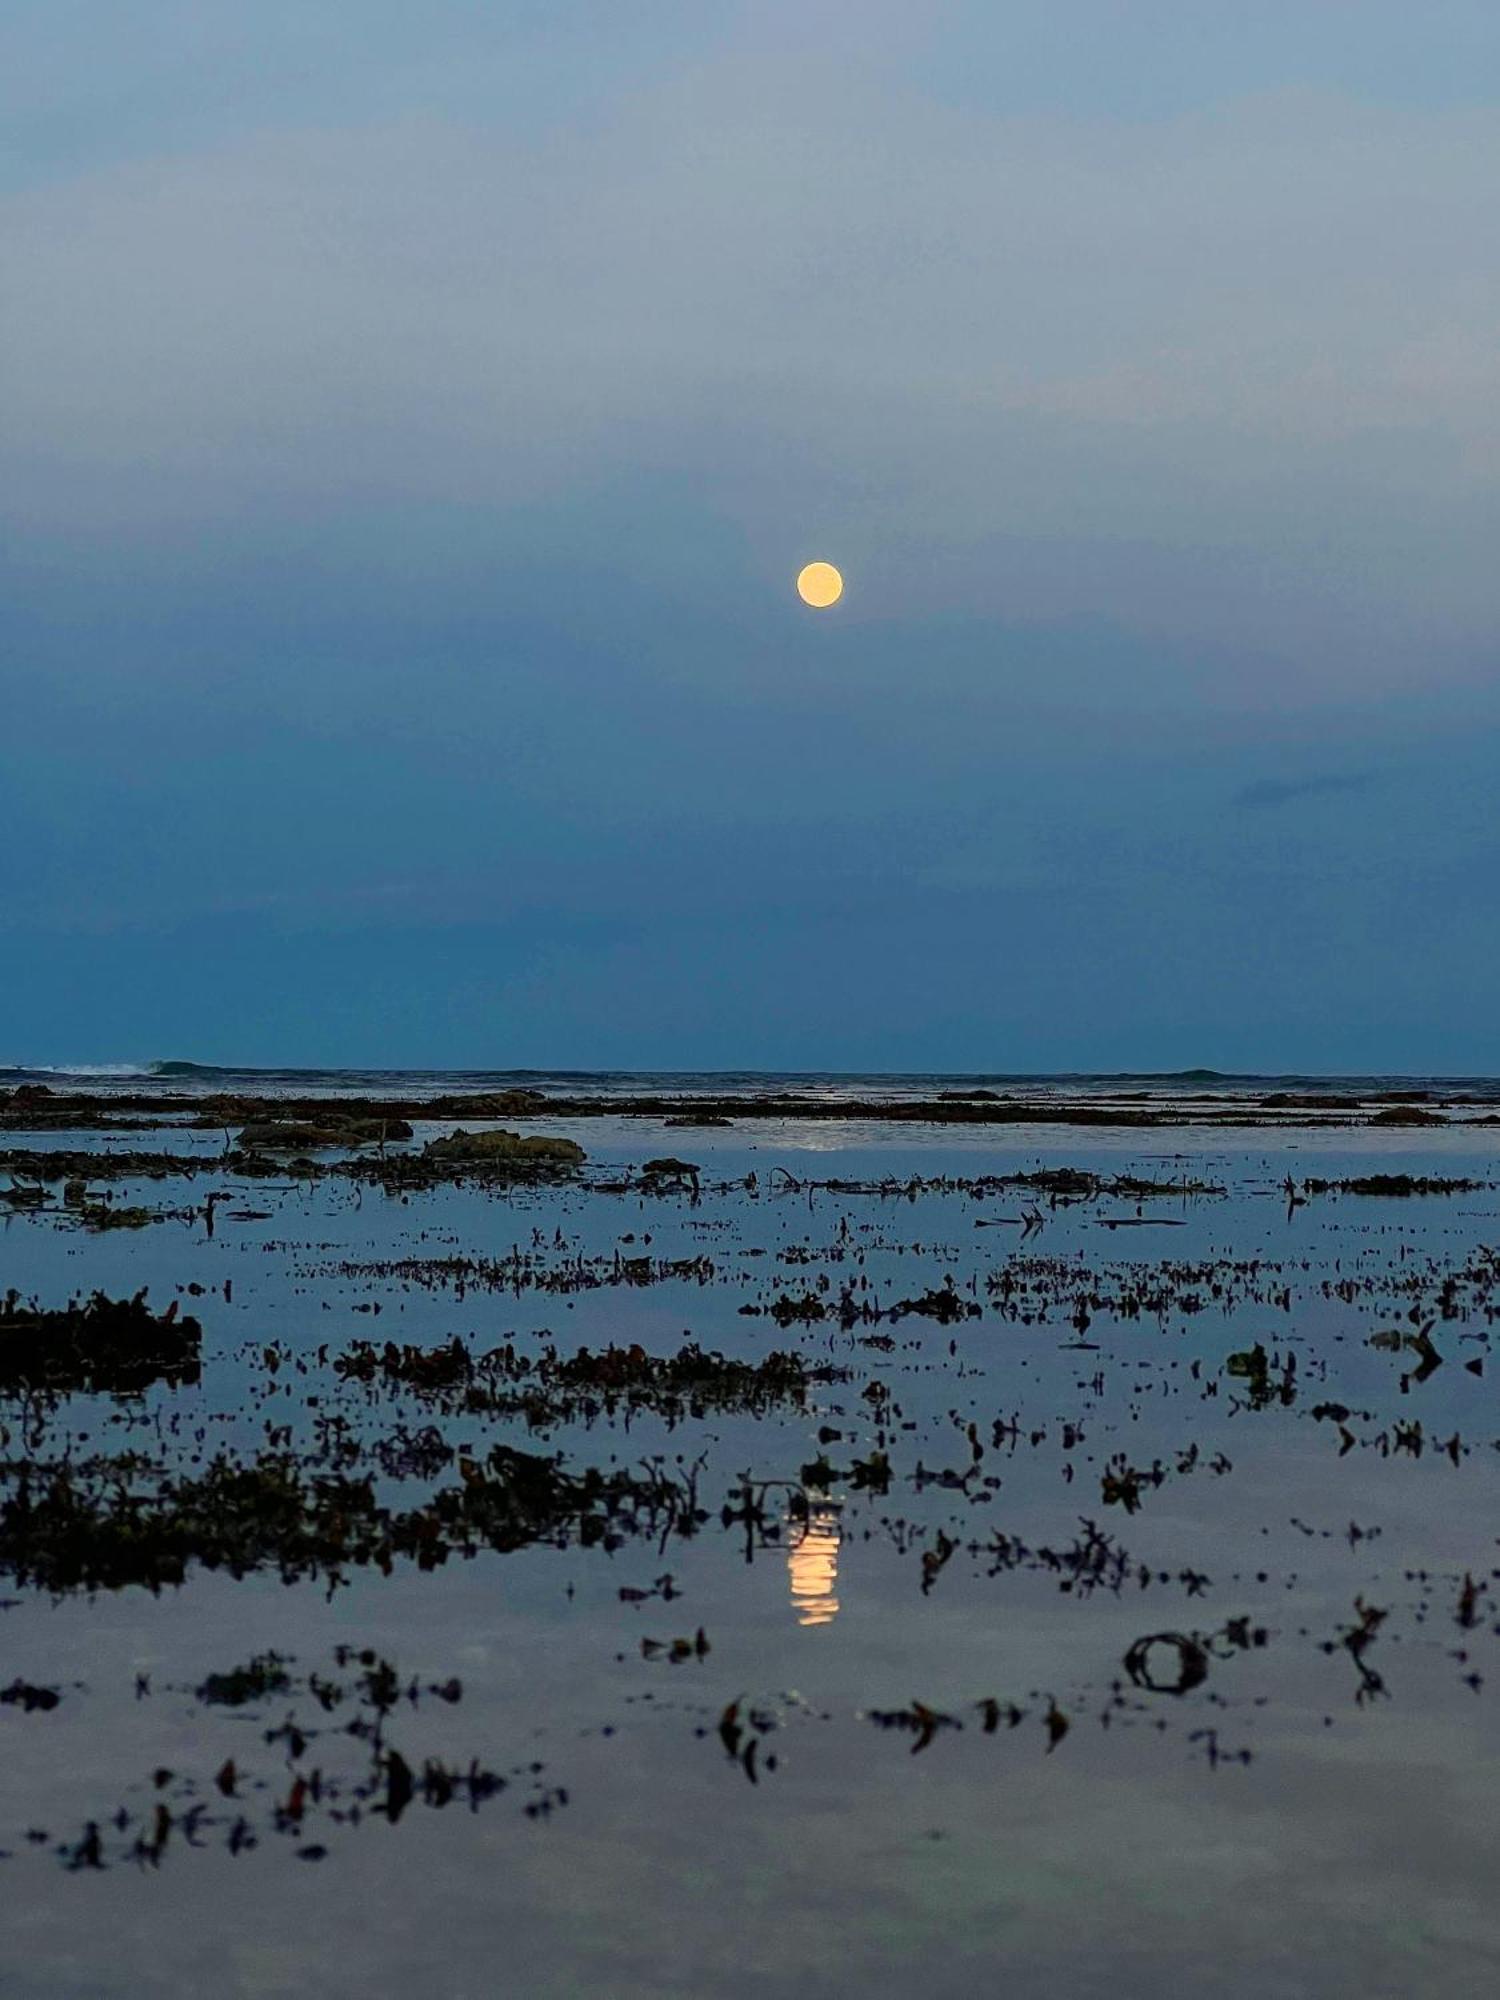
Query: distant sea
{"x":205,"y":1079}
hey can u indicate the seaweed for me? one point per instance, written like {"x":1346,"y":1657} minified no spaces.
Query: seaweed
{"x":277,"y":1135}
{"x":1395,"y":1185}
{"x":554,"y":1388}
{"x":37,"y":1107}
{"x":244,"y":1806}
{"x":943,"y":1304}
{"x":70,"y":1526}
{"x":116,"y":1346}
{"x":265,"y":1675}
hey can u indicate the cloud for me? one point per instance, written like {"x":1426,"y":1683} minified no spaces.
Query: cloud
{"x":1282,"y":791}
{"x":1196,"y":374}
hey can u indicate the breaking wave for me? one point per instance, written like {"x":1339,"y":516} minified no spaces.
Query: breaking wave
{"x":80,"y":1072}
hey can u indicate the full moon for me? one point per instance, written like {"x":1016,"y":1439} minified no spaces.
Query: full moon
{"x":820,"y":585}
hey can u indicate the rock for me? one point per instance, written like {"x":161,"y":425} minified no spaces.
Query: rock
{"x":503,"y":1148}
{"x":491,"y":1104}
{"x":287,"y":1136}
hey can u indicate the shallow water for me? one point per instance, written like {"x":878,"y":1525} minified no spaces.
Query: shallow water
{"x":1073,"y":1468}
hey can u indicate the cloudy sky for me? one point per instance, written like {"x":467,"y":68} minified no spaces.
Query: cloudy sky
{"x":412,"y":420}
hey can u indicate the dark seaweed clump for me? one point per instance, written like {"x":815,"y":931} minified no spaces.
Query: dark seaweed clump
{"x":36,"y":1106}
{"x":326,"y":1770}
{"x":276,"y":1135}
{"x":101,"y":1525}
{"x":555,"y":1388}
{"x":114,"y":1346}
{"x":265,"y":1675}
{"x":1394,"y":1185}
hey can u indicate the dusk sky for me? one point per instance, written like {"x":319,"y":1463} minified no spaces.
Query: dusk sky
{"x":413,"y":419}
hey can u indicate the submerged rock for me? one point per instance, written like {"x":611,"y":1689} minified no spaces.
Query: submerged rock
{"x":490,"y":1104}
{"x":275,"y":1135}
{"x":505,"y":1149}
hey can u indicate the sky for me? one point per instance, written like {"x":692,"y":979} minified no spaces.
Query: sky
{"x":413,"y":419}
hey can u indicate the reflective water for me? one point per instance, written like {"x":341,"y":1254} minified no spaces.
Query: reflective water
{"x":920,"y":1745}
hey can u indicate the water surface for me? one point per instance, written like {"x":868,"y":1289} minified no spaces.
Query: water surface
{"x":922,"y":1741}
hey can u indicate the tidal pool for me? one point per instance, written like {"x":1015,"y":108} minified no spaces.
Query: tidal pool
{"x":961,"y":1576}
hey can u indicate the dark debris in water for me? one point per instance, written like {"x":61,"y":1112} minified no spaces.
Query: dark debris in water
{"x":1396,"y":1186}
{"x":107,"y":1523}
{"x":29,"y":1699}
{"x":113,"y":1346}
{"x":552,"y":1388}
{"x":313,"y":1778}
{"x":265,"y":1675}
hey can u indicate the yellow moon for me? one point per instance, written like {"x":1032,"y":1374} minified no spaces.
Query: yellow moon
{"x":820,"y":585}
